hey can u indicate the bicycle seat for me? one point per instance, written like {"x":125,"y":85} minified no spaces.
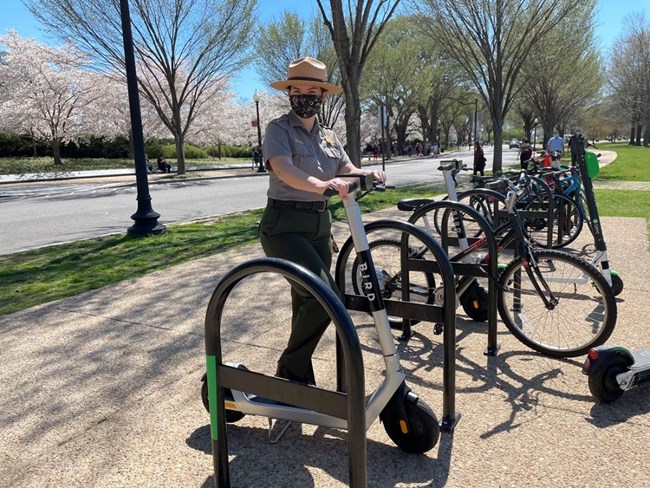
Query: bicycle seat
{"x":411,"y":204}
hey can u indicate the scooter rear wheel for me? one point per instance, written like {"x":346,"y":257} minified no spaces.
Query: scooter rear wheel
{"x":617,"y":284}
{"x":424,"y":427}
{"x":475,"y":302}
{"x":603,"y":385}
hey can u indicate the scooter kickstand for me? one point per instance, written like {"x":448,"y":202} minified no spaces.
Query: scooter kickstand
{"x":279,"y":424}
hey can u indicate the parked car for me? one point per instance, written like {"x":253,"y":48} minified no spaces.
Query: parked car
{"x":513,"y":144}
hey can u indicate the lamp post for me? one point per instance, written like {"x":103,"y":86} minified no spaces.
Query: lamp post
{"x":256,"y":99}
{"x":146,"y":219}
{"x":475,"y":120}
{"x":535,"y":133}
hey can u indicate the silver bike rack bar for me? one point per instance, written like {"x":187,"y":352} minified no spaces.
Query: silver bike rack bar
{"x":349,"y":406}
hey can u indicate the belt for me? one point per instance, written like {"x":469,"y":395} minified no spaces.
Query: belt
{"x":319,"y":206}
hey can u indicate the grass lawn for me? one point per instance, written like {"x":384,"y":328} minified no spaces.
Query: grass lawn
{"x":632,"y":163}
{"x":9,"y":166}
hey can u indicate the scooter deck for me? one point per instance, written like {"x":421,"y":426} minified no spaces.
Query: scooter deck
{"x":641,"y":359}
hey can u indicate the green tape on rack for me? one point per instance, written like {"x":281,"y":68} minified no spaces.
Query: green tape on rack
{"x":211,"y":364}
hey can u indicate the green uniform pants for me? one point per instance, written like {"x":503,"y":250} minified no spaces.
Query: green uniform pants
{"x":302,"y":237}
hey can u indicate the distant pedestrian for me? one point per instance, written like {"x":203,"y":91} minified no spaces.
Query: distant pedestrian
{"x":574,"y":142}
{"x":525,"y":153}
{"x":479,"y":159}
{"x":555,"y":149}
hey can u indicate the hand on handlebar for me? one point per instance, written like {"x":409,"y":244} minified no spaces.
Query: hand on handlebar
{"x":379,"y":176}
{"x":339,"y":186}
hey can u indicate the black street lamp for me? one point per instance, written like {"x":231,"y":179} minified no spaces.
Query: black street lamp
{"x":475,"y":120}
{"x":146,"y":219}
{"x":256,"y":99}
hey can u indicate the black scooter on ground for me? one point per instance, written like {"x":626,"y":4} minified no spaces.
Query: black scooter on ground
{"x":613,"y":370}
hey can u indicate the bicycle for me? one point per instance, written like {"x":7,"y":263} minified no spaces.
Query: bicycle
{"x":537,"y":206}
{"x":568,"y":182}
{"x":551,"y":301}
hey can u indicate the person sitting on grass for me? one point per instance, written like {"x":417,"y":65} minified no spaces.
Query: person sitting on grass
{"x":163,"y":165}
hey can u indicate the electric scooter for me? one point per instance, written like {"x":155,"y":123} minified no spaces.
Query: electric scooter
{"x":408,"y":421}
{"x":613,"y":370}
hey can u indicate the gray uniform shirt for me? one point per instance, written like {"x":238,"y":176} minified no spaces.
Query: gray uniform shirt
{"x":318,"y":153}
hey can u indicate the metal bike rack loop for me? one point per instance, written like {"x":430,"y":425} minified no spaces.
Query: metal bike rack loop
{"x":489,"y":270}
{"x":445,"y":314}
{"x":349,"y":406}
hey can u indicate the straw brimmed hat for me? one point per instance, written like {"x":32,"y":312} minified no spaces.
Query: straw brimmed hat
{"x":307,"y":71}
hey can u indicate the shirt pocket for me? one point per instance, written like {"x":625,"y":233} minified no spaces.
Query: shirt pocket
{"x":306,"y":159}
{"x":332,"y":152}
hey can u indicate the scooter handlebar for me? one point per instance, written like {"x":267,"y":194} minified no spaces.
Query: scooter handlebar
{"x":330,"y":192}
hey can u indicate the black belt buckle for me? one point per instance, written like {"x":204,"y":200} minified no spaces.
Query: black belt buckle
{"x":319,"y":206}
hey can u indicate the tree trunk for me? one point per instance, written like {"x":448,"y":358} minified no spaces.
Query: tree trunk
{"x":639,"y":128}
{"x":180,"y":154}
{"x":56,"y":151}
{"x":400,"y":135}
{"x":632,"y":134}
{"x":497,"y":161}
{"x":352,"y":117}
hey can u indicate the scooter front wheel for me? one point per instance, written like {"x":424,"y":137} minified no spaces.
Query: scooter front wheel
{"x":424,"y":430}
{"x":603,"y":385}
{"x":232,"y":416}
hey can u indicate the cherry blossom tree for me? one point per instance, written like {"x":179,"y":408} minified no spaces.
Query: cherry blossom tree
{"x":184,"y":48}
{"x":110,"y":117}
{"x":224,"y":119}
{"x":45,"y":91}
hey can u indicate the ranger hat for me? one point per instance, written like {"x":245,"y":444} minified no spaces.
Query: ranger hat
{"x":307,"y":71}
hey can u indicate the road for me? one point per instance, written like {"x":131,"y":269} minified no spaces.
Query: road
{"x":39,"y":215}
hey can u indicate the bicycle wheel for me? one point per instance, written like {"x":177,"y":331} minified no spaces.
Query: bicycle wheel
{"x":386,"y":259}
{"x":582,"y":309}
{"x":487,"y":203}
{"x":567,"y":222}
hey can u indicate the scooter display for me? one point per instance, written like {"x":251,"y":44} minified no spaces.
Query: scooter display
{"x":408,"y":421}
{"x":612,"y":370}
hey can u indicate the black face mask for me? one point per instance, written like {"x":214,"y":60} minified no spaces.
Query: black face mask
{"x":306,"y":106}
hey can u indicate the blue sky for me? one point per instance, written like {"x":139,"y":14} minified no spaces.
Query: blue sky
{"x":14,"y":15}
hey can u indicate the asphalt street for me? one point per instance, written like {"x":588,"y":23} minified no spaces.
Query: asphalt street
{"x":52,"y":212}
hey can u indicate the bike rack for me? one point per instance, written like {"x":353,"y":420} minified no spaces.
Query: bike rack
{"x":489,"y":270}
{"x":348,"y":406}
{"x":445,"y":314}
